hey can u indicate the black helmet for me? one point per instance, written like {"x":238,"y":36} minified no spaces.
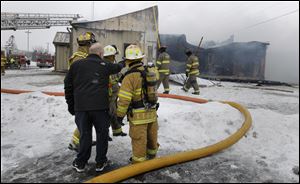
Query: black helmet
{"x":188,"y":52}
{"x":163,"y":48}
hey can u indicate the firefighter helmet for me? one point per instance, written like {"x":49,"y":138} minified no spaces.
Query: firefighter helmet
{"x":188,"y":52}
{"x":162,"y":48}
{"x":86,"y":38}
{"x":133,"y":52}
{"x":116,"y":49}
{"x":109,"y":50}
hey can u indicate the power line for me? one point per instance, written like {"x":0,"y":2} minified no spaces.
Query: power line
{"x":274,"y":18}
{"x":241,"y":8}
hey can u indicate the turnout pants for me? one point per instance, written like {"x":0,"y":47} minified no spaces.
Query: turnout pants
{"x":76,"y":137}
{"x":144,"y":141}
{"x":192,"y":82}
{"x":116,"y":127}
{"x":165,"y":80}
{"x":2,"y":69}
{"x":85,"y":120}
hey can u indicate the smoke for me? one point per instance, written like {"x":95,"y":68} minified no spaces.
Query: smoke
{"x":216,"y":21}
{"x":282,"y":61}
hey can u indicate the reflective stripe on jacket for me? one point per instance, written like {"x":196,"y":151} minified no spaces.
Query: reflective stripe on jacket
{"x":163,"y":63}
{"x":192,"y":65}
{"x":81,"y":53}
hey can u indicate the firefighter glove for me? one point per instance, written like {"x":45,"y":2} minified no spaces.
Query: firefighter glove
{"x":122,"y":63}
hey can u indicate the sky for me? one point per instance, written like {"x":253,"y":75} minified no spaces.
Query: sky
{"x":248,"y":21}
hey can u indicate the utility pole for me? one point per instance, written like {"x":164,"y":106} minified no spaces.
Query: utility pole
{"x":28,"y":32}
{"x":93,"y":10}
{"x":47,"y":47}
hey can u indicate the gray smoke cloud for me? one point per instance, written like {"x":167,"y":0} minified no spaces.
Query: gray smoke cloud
{"x":213,"y":20}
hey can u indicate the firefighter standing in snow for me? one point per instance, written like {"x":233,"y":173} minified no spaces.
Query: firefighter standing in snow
{"x":192,"y":71}
{"x":84,"y":41}
{"x":139,"y":103}
{"x":109,"y":55}
{"x":163,"y":68}
{"x":3,"y":62}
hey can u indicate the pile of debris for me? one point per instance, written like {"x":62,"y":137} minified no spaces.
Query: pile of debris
{"x":181,"y":79}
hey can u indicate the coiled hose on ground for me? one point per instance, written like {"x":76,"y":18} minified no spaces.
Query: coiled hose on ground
{"x":150,"y":165}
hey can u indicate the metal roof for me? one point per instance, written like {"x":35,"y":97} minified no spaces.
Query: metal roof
{"x":74,"y":23}
{"x":62,"y":38}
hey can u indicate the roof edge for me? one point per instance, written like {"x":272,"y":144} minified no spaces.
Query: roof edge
{"x":84,"y":22}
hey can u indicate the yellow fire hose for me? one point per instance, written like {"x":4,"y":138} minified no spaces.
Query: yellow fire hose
{"x":150,"y":165}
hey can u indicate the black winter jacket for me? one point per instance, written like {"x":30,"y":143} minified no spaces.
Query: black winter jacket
{"x":86,"y":83}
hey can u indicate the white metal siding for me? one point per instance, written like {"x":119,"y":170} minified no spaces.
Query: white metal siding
{"x":61,"y":58}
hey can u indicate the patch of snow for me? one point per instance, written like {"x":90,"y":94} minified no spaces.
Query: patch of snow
{"x":174,"y":175}
{"x":35,"y":125}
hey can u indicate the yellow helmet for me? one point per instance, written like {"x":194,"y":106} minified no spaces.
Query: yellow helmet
{"x":86,"y":38}
{"x":133,"y":52}
{"x":109,"y":51}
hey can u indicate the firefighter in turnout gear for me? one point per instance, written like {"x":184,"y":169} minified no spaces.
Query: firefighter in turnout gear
{"x":162,"y":64}
{"x":3,"y":62}
{"x":109,"y":54}
{"x":138,"y":100}
{"x":85,"y":40}
{"x":192,"y":71}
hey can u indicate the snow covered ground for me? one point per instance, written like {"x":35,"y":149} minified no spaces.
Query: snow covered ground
{"x":36,"y":129}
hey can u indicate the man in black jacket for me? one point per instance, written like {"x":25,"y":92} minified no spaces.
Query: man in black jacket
{"x":86,"y":93}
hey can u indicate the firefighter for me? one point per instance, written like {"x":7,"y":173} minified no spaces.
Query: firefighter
{"x":12,"y":62}
{"x":3,"y":62}
{"x":110,"y":51}
{"x":192,"y":71}
{"x":85,"y":40}
{"x":132,"y":102}
{"x":163,"y":68}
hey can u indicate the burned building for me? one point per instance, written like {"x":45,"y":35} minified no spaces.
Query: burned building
{"x":237,"y":60}
{"x":177,"y":45}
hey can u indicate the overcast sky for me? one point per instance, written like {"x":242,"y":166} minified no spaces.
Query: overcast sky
{"x":213,"y":20}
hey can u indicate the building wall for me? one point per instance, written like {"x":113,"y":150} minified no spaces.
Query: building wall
{"x":238,"y":60}
{"x":62,"y":55}
{"x":137,"y":27}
